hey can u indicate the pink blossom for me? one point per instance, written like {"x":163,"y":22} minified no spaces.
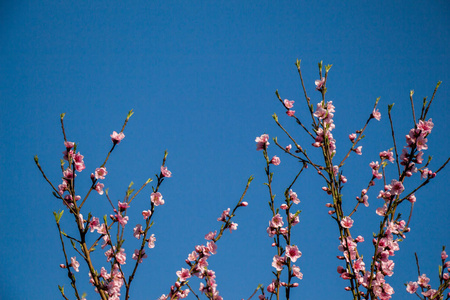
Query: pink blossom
{"x":121,"y":257}
{"x":74,"y":263}
{"x":352,"y":137}
{"x":376,"y":114}
{"x":389,"y":155}
{"x":122,"y":220}
{"x":68,"y":174}
{"x":396,"y":187}
{"x":358,"y":150}
{"x":157,"y":199}
{"x":94,"y":224}
{"x":381,"y":211}
{"x":275,"y":160}
{"x":319,"y":83}
{"x":80,"y":218}
{"x":233,"y":226}
{"x":123,"y":206}
{"x":293,"y":253}
{"x":294,"y":219}
{"x":411,"y":287}
{"x":146,"y":214}
{"x":99,"y":188}
{"x":243,"y":203}
{"x":136,"y":255}
{"x":193,"y":256}
{"x":411,"y":198}
{"x":347,"y":222}
{"x":137,"y":231}
{"x":224,"y":215}
{"x":290,"y":113}
{"x":277,"y":221}
{"x":117,"y":137}
{"x":278,"y":262}
{"x":444,"y":255}
{"x":296,"y":272}
{"x":430,"y":293}
{"x":288,"y":148}
{"x":293,"y":196}
{"x":288,"y":104}
{"x":183,"y":274}
{"x":426,"y":126}
{"x":421,"y":143}
{"x":62,"y":187}
{"x":271,"y":287}
{"x":210,"y":235}
{"x":151,"y":241}
{"x":79,"y":163}
{"x":165,"y":172}
{"x":100,"y":173}
{"x":423,"y":280}
{"x":262,"y":142}
{"x":69,"y":145}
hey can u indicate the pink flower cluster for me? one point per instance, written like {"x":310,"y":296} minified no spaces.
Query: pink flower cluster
{"x":423,"y":282}
{"x":112,"y":282}
{"x":289,"y":104}
{"x":324,"y":112}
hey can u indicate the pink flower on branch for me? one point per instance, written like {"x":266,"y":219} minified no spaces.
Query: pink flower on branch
{"x":319,"y":83}
{"x":99,"y":188}
{"x":75,"y":265}
{"x":138,"y":253}
{"x":165,"y":172}
{"x":262,"y":142}
{"x":151,"y":241}
{"x":293,"y":253}
{"x":117,"y":137}
{"x":376,"y":114}
{"x":290,"y":113}
{"x":100,"y":173}
{"x":137,"y":231}
{"x":275,"y":161}
{"x":347,"y":222}
{"x":157,"y":199}
{"x":288,"y":104}
{"x":184,"y":274}
{"x":146,"y":214}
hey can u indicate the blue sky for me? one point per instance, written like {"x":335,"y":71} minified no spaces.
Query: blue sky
{"x":201,"y":78}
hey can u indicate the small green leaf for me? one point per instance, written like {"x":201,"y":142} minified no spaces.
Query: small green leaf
{"x":275,"y":117}
{"x":390,"y":107}
{"x":297,"y":63}
{"x":62,"y":115}
{"x":438,"y":84}
{"x":327,"y":68}
{"x":36,"y":159}
{"x":130,"y":113}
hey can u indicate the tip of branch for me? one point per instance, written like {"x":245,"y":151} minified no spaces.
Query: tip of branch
{"x":438,"y":83}
{"x":390,"y":107}
{"x":275,"y":117}
{"x":62,"y":115}
{"x":297,"y":63}
{"x":250,"y":179}
{"x":36,"y":159}
{"x":130,"y":113}
{"x":411,"y":93}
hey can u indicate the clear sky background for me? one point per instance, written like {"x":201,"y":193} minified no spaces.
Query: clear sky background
{"x":201,"y":78}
